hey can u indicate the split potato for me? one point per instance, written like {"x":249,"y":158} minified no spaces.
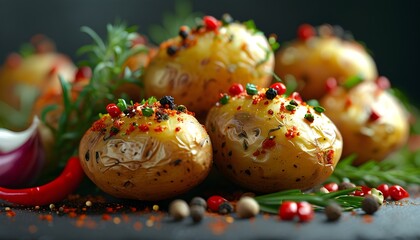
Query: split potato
{"x":149,"y":151}
{"x":268,"y":144}
{"x":372,"y":121}
{"x":199,"y":64}
{"x":311,"y":60}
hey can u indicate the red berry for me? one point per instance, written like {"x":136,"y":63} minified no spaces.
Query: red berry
{"x":211,"y":23}
{"x":305,"y":31}
{"x":397,"y":192}
{"x":213,"y":202}
{"x":113,"y":110}
{"x":363,"y":191}
{"x":383,"y":83}
{"x":236,"y":89}
{"x":331,"y":187}
{"x":296,"y":96}
{"x":279,"y":87}
{"x":305,"y":211}
{"x":384,"y":188}
{"x":374,"y":116}
{"x":331,"y":84}
{"x":288,"y":210}
{"x":83,"y":73}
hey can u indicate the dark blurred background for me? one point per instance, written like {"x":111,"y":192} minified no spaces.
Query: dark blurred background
{"x":389,"y":29}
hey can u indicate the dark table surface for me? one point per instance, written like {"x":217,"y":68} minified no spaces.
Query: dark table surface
{"x":130,"y":220}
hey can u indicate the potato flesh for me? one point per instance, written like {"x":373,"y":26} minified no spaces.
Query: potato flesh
{"x":369,"y":140}
{"x":312,"y":62}
{"x":240,"y":130}
{"x":196,"y":75}
{"x":171,"y":158}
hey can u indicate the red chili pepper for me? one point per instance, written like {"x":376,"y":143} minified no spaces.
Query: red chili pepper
{"x":52,"y":192}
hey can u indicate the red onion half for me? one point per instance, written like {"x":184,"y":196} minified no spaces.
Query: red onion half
{"x":21,"y":156}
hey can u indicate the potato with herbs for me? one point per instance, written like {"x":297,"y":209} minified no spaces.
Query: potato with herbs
{"x":149,"y":151}
{"x":199,"y":64}
{"x":266,"y":142}
{"x":372,"y":121}
{"x":311,"y":59}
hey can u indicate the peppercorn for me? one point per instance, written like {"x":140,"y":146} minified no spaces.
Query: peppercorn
{"x":247,"y":207}
{"x":225,"y":208}
{"x":197,"y":213}
{"x":271,"y":93}
{"x":198,"y":201}
{"x":333,"y":211}
{"x":183,"y":32}
{"x":346,"y":185}
{"x":167,"y":101}
{"x":171,"y":50}
{"x":181,"y":108}
{"x":179,"y":209}
{"x":370,"y":205}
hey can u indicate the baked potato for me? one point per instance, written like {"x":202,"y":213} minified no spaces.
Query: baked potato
{"x":267,"y":142}
{"x":148,"y":151}
{"x":39,"y":70}
{"x":199,"y":64}
{"x":311,"y":59}
{"x":372,"y":122}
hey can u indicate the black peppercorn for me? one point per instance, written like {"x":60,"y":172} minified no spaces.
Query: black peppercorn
{"x":197,"y":213}
{"x":167,"y":101}
{"x":370,"y":205}
{"x":183,"y":33}
{"x":171,"y":50}
{"x":225,"y":208}
{"x":271,"y":93}
{"x":198,"y":201}
{"x":333,"y":211}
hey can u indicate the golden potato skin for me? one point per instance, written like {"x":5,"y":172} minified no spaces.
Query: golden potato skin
{"x":369,"y":137}
{"x":148,"y":159}
{"x":39,"y":71}
{"x":211,"y":61}
{"x":311,"y":62}
{"x":262,"y":146}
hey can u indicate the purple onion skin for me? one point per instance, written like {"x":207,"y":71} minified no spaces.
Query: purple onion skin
{"x":21,"y":167}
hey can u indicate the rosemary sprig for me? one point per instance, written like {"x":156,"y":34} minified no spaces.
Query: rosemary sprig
{"x":270,"y":203}
{"x":402,"y":169}
{"x":106,"y":58}
{"x":171,"y":21}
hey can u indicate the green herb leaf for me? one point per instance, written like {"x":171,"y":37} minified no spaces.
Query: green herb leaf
{"x":122,"y":105}
{"x":147,"y":111}
{"x":352,"y":81}
{"x":224,"y":100}
{"x":271,"y":202}
{"x":251,"y":89}
{"x":319,"y":109}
